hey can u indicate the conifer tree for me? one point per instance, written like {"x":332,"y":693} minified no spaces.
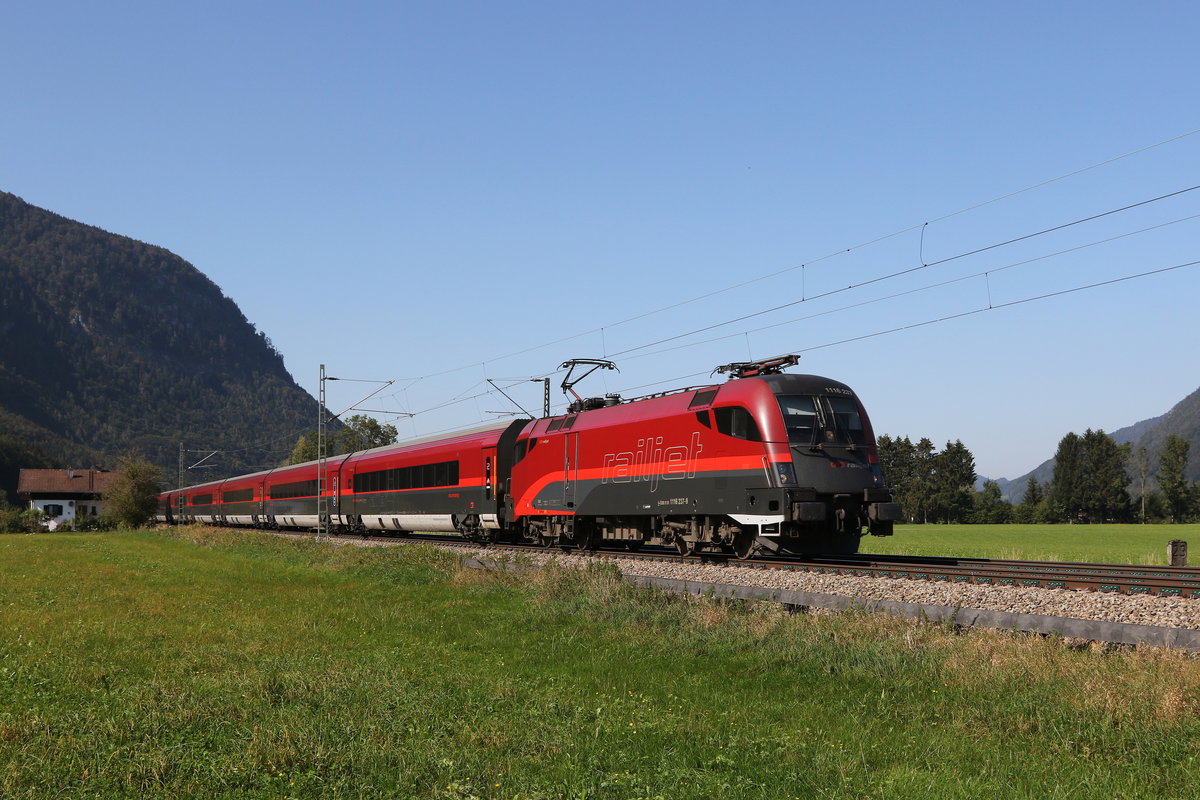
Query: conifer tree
{"x":1178,"y":495}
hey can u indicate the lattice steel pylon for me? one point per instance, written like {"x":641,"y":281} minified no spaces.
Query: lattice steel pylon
{"x":322,"y":501}
{"x":324,"y":518}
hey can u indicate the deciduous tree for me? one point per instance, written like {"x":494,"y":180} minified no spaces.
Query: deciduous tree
{"x":989,"y":508}
{"x":133,"y":497}
{"x":305,"y":450}
{"x":363,"y":433}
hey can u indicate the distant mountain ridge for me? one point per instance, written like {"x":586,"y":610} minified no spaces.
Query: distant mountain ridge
{"x":110,"y":346}
{"x":1182,"y":420}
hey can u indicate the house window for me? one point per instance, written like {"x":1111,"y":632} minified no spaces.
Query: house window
{"x":54,"y":510}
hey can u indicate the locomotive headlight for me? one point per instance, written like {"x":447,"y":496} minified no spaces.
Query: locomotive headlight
{"x":785,"y":472}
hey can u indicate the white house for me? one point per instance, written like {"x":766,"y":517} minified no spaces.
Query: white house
{"x":65,"y":494}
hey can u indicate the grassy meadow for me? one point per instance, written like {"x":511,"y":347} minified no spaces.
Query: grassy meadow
{"x":1109,"y":544}
{"x":217,"y":664}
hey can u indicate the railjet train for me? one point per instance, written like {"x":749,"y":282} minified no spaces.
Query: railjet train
{"x":763,"y":462}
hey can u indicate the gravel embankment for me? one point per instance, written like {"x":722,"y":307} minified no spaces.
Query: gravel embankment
{"x":1168,"y":612}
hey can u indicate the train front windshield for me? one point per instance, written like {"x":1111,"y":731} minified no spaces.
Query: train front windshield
{"x":822,"y":420}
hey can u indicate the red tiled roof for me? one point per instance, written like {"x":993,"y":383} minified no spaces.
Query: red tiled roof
{"x":63,"y":481}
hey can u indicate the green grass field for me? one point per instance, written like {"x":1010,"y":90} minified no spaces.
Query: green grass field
{"x":1111,"y":544}
{"x":208,"y":664}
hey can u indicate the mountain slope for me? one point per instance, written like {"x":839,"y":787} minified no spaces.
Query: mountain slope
{"x":109,"y":346}
{"x":1182,"y":420}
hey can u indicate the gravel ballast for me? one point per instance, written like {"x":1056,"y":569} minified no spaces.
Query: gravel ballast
{"x":1166,"y":621}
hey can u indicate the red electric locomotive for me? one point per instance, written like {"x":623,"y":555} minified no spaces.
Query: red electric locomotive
{"x":765,"y":461}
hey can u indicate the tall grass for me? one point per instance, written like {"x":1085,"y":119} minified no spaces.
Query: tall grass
{"x":216,"y":664}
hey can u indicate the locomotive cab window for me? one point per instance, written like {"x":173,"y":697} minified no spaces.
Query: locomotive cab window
{"x":522,"y":448}
{"x":800,"y":417}
{"x":827,"y":420}
{"x":737,"y":422}
{"x":847,"y":421}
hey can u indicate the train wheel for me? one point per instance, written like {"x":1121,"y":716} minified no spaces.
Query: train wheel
{"x":744,"y":545}
{"x":587,"y":537}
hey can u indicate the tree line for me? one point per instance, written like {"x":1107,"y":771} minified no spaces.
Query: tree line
{"x":360,"y":432}
{"x":1095,"y":480}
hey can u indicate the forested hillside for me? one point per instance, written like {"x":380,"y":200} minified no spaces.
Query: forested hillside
{"x":111,"y":347}
{"x":1183,"y":420}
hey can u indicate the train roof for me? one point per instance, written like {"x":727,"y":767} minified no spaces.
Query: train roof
{"x":450,"y":436}
{"x":803,"y":384}
{"x":781,"y":383}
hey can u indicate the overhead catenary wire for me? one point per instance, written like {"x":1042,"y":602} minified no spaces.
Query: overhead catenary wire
{"x":945,"y":318}
{"x":630,"y":352}
{"x":878,"y":279}
{"x":832,"y":254}
{"x":466,"y":394}
{"x":908,"y":270}
{"x":897,"y":329}
{"x":908,"y":292}
{"x":889,"y":331}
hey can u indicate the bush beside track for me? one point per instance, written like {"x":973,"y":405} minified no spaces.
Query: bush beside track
{"x":225,"y":664}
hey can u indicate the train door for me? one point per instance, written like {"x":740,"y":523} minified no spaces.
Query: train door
{"x":350,"y":505}
{"x":260,"y":510}
{"x":489,"y":478}
{"x":570,"y":468}
{"x":335,"y":502}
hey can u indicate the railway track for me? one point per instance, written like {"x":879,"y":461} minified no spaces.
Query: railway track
{"x":1119,"y":604}
{"x":1126,"y":579}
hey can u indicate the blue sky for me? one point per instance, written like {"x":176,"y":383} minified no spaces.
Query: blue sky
{"x":415,"y":191}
